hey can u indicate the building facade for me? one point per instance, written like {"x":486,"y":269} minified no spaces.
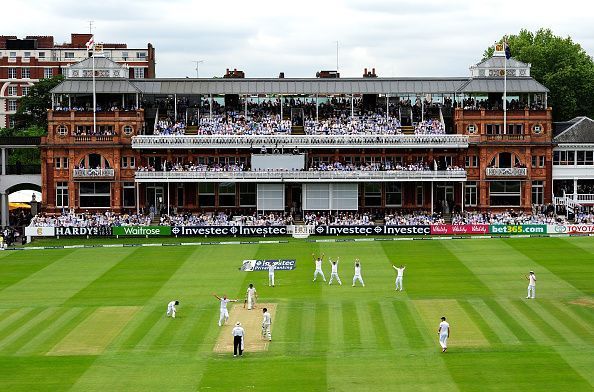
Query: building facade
{"x":23,"y":62}
{"x":486,"y":156}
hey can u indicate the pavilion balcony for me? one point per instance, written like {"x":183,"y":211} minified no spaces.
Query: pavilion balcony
{"x":301,"y":176}
{"x":299,"y":141}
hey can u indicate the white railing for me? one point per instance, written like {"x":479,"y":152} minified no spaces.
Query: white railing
{"x":300,"y":176}
{"x":301,"y":141}
{"x":507,"y":171}
{"x":567,"y":202}
{"x":86,"y":173}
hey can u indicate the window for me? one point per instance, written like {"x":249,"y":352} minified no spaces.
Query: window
{"x":68,"y":55}
{"x":493,"y":129}
{"x":41,"y":55}
{"x":471,"y":161}
{"x":515,"y":129}
{"x":541,"y":161}
{"x":27,"y":55}
{"x":25,"y":90}
{"x":12,"y":73}
{"x":537,"y":192}
{"x":585,"y":157}
{"x":12,"y":55}
{"x":206,"y":195}
{"x":62,"y":194}
{"x":373,"y":194}
{"x":12,"y":91}
{"x":25,"y":73}
{"x":247,"y":194}
{"x":505,"y":193}
{"x":125,"y":55}
{"x":129,"y":194}
{"x":128,"y":162}
{"x":62,"y":130}
{"x":95,"y":195}
{"x":124,"y":162}
{"x":128,"y":130}
{"x":11,"y":122}
{"x":140,"y":55}
{"x":470,"y":193}
{"x":58,"y":163}
{"x":138,"y":73}
{"x":537,"y":128}
{"x":420,"y":195}
{"x":227,"y":194}
{"x":64,"y":162}
{"x":393,"y":194}
{"x":564,"y":158}
{"x":12,"y":105}
{"x":180,"y":195}
{"x":48,"y":73}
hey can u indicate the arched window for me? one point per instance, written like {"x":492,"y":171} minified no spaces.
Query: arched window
{"x":62,"y":130}
{"x":94,"y":161}
{"x":506,"y":159}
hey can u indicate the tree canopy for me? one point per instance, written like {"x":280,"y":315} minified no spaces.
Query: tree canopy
{"x":32,"y":110}
{"x":560,"y":64}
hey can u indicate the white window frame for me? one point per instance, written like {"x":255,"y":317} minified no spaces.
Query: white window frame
{"x":470,"y":194}
{"x":69,"y":55}
{"x":12,"y":105}
{"x":11,"y":91}
{"x":48,"y":73}
{"x":138,"y":72}
{"x":25,"y":90}
{"x":62,"y":130}
{"x":12,"y":73}
{"x":61,"y":194}
{"x":25,"y":73}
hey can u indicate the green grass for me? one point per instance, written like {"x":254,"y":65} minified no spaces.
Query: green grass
{"x":93,"y":319}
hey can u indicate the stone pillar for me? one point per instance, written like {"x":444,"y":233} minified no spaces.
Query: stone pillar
{"x":4,"y":200}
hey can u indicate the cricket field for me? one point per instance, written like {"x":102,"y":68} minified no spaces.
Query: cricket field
{"x":93,"y":319}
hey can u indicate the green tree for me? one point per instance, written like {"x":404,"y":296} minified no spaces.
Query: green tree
{"x":32,"y":110}
{"x":562,"y":66}
{"x":24,"y":156}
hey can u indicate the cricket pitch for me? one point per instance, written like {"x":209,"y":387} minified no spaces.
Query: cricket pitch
{"x":251,"y":321}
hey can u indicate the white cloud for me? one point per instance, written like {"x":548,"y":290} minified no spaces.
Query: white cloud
{"x":263,"y":38}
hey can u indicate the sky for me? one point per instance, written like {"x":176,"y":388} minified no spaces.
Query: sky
{"x":398,"y":38}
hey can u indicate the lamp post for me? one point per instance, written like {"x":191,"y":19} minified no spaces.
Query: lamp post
{"x":198,"y":62}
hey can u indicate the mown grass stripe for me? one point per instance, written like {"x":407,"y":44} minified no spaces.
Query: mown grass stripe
{"x":6,"y":312}
{"x":194,"y":341}
{"x":151,"y":316}
{"x":514,"y":326}
{"x":350,"y":326}
{"x":397,"y":336}
{"x":151,"y":335}
{"x":280,"y":325}
{"x":335,"y":328}
{"x":516,"y":309}
{"x":295,"y":320}
{"x":416,"y":335}
{"x":528,"y":309}
{"x":381,"y":331}
{"x":15,"y":320}
{"x":35,"y":344}
{"x":480,"y":322}
{"x":496,"y":324}
{"x":308,"y":328}
{"x":321,"y":327}
{"x":560,"y":325}
{"x":60,"y":334}
{"x":367,"y":327}
{"x":564,"y":311}
{"x":583,"y":312}
{"x":27,"y":331}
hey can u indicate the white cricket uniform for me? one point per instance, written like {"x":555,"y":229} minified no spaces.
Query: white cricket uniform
{"x":399,"y":277}
{"x":266,"y":322}
{"x":171,"y":309}
{"x":357,"y":276}
{"x":531,"y":286}
{"x":251,"y":297}
{"x":271,"y":274}
{"x":224,"y":316}
{"x":444,"y":333}
{"x":334,"y":273}
{"x":319,"y":270}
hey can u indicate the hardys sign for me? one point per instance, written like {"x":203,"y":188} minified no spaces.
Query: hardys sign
{"x":459,"y":229}
{"x":83,"y":231}
{"x":141,"y":230}
{"x":373,"y":230}
{"x":237,"y":231}
{"x":518,"y":229}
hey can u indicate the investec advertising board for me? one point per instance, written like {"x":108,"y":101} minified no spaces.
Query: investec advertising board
{"x":373,"y":230}
{"x":518,"y":229}
{"x":236,"y":231}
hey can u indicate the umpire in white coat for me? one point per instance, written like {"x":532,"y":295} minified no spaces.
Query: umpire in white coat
{"x":238,"y":336}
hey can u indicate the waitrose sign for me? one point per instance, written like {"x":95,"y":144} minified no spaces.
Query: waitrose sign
{"x":141,"y":230}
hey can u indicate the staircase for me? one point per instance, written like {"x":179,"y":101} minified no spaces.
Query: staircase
{"x":407,"y":130}
{"x":569,"y":203}
{"x":156,"y":220}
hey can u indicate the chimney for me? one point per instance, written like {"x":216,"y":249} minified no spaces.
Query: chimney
{"x":373,"y":71}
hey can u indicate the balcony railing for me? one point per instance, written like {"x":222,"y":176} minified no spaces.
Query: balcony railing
{"x":301,"y":141}
{"x":301,"y":176}
{"x":89,"y":138}
{"x":506,"y":172}
{"x":505,"y":137}
{"x":93,"y":173}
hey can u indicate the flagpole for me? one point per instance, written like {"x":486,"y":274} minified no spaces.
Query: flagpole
{"x":505,"y":88}
{"x":94,"y":94}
